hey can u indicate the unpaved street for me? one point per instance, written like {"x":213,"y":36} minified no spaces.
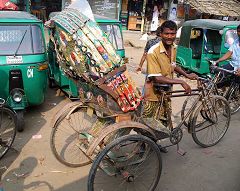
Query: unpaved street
{"x":32,"y":166}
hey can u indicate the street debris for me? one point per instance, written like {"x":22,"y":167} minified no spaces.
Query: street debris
{"x":38,"y":136}
{"x":37,"y":175}
{"x":207,"y":151}
{"x":23,"y":175}
{"x":58,"y":171}
{"x":41,"y":160}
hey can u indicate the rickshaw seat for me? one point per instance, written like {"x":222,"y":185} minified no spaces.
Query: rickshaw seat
{"x":196,"y":46}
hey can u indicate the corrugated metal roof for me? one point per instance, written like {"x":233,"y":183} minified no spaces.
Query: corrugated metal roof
{"x":216,"y":7}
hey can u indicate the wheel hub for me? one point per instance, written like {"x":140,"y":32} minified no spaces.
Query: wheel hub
{"x":130,"y":178}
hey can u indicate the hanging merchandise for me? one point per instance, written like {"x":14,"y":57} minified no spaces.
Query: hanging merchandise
{"x":86,"y":55}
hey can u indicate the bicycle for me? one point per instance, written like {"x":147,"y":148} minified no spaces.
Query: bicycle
{"x":212,"y":85}
{"x":123,"y":160}
{"x":8,"y":126}
{"x":232,"y":88}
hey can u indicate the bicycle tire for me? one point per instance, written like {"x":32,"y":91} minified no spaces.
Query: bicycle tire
{"x":211,"y":118}
{"x":188,"y":101}
{"x":7,"y":135}
{"x":72,"y":132}
{"x":233,"y":98}
{"x":126,"y":173}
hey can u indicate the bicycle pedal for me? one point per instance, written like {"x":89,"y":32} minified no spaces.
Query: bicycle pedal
{"x":181,"y":152}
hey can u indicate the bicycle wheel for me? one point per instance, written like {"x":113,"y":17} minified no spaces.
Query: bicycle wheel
{"x":131,"y":162}
{"x":211,"y":121}
{"x":7,"y":130}
{"x":233,"y":98}
{"x":70,"y":139}
{"x":187,"y":104}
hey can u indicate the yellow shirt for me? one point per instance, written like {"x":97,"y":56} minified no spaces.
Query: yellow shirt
{"x":158,"y":64}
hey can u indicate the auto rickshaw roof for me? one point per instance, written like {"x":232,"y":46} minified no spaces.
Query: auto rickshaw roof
{"x":210,"y":23}
{"x":203,"y":24}
{"x":17,"y":17}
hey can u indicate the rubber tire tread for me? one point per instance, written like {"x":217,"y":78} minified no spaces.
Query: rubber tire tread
{"x":52,"y":145}
{"x":13,"y":116}
{"x":100,"y":156}
{"x":230,"y":94}
{"x":197,"y":112}
{"x":186,"y":123}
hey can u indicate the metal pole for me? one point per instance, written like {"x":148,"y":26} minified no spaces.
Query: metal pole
{"x":143,"y":15}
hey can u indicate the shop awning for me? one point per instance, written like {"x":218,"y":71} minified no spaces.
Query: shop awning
{"x":216,"y":7}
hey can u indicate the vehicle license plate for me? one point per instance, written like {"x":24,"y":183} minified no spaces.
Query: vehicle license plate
{"x":14,"y":60}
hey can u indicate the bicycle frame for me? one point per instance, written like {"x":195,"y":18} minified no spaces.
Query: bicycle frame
{"x":203,"y":91}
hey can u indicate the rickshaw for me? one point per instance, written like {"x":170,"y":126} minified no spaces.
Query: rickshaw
{"x":111,"y":27}
{"x":23,"y":62}
{"x":106,"y":125}
{"x":202,"y":40}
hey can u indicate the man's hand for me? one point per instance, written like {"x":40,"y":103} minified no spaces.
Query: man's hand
{"x":186,"y":87}
{"x":139,"y":69}
{"x":238,"y":72}
{"x":192,"y":76}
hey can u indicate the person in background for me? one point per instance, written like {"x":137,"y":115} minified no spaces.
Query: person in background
{"x":234,"y":54}
{"x":149,"y":44}
{"x":155,"y":18}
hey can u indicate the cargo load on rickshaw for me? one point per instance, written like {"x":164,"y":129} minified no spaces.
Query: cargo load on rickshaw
{"x":86,"y":55}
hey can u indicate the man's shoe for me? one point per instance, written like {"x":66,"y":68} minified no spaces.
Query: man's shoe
{"x":163,"y":149}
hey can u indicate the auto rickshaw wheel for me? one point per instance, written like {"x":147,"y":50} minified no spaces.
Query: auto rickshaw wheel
{"x":20,"y":120}
{"x":51,"y":83}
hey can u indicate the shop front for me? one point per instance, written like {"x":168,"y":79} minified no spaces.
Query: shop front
{"x":40,"y":8}
{"x":141,"y":15}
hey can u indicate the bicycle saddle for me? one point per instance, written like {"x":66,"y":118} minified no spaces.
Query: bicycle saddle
{"x":162,"y":87}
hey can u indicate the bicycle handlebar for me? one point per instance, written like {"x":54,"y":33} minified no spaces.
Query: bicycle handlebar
{"x":223,"y":70}
{"x":214,"y":67}
{"x":203,"y":79}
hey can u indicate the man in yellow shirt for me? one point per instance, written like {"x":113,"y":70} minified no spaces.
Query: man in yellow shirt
{"x":161,"y":63}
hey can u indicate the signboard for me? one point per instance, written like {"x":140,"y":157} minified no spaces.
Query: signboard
{"x":14,"y":59}
{"x":107,"y":8}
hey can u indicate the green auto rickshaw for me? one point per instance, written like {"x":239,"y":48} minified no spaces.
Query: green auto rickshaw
{"x":204,"y":39}
{"x":111,"y":27}
{"x":23,"y":62}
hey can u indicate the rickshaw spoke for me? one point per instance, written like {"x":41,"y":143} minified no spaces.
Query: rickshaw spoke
{"x":130,"y":170}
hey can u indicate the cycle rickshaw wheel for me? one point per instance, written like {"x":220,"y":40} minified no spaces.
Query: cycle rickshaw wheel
{"x":131,"y":162}
{"x":211,"y":121}
{"x":70,"y":139}
{"x":7,"y":130}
